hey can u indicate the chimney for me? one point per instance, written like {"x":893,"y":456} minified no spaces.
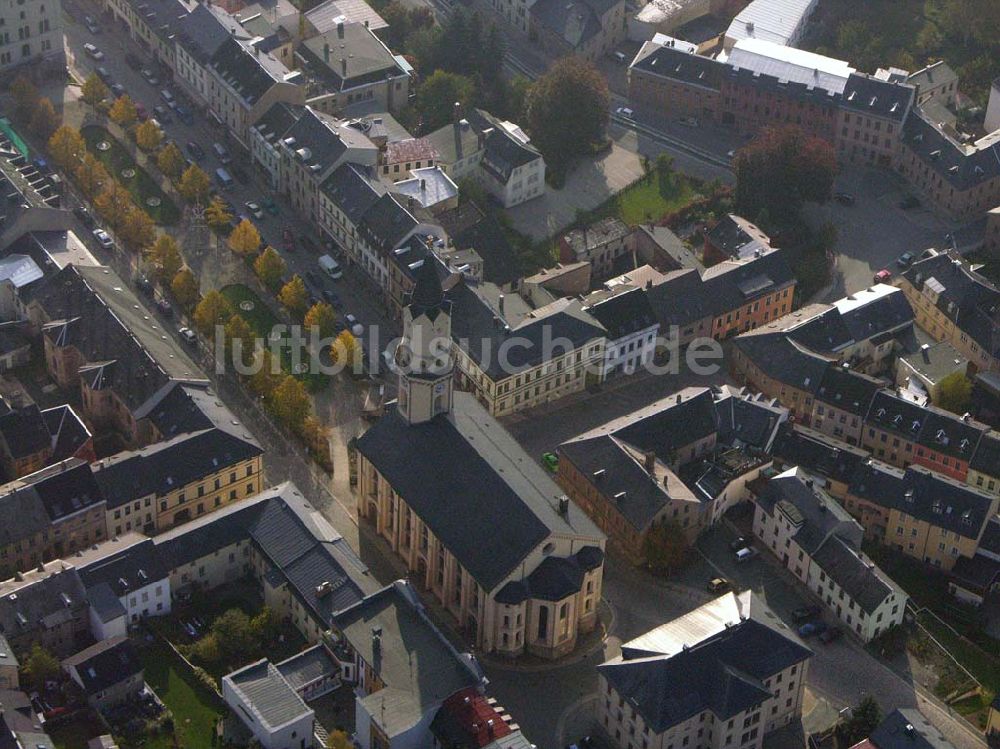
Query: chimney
{"x":343,"y":67}
{"x":563,"y":505}
{"x":649,"y":461}
{"x":500,"y":303}
{"x":366,"y":23}
{"x":340,"y":29}
{"x":326,"y":53}
{"x":678,"y":398}
{"x":456,"y":111}
{"x":423,"y":184}
{"x":376,"y":640}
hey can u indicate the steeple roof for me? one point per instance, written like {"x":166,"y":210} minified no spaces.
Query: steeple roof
{"x":427,"y":292}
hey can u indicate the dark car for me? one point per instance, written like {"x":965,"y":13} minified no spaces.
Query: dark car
{"x":307,"y":242}
{"x":162,"y":114}
{"x":740,"y":543}
{"x":84,"y":215}
{"x":104,"y":74}
{"x":288,"y":240}
{"x":195,"y":151}
{"x":805,"y":613}
{"x":184,"y":114}
{"x":312,"y":278}
{"x":332,"y":299}
{"x":812,"y":628}
{"x":165,"y":309}
{"x":844,"y":198}
{"x":144,"y":285}
{"x":905,"y":260}
{"x":132,"y":61}
{"x":830,"y":634}
{"x":118,"y":90}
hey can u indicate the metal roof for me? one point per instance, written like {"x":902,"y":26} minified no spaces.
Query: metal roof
{"x":790,"y":64}
{"x":779,"y":21}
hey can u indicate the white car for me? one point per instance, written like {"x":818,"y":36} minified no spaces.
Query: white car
{"x":188,"y":335}
{"x":255,"y":210}
{"x":624,"y":112}
{"x":93,"y":52}
{"x":104,"y":239}
{"x":353,"y":325}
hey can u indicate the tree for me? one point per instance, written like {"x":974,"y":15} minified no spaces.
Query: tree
{"x":782,"y":169}
{"x":207,"y":650}
{"x":666,"y":547}
{"x":437,"y":96}
{"x":194,"y":185}
{"x":67,"y":147}
{"x":165,"y":257}
{"x":91,"y":176}
{"x":338,"y":740}
{"x":269,"y":267}
{"x":234,"y":634}
{"x":170,"y":160}
{"x":244,"y":239}
{"x":322,"y":317}
{"x":39,"y":666}
{"x":93,"y":91}
{"x":185,"y":288}
{"x":217,"y":215}
{"x":213,"y":309}
{"x":265,"y":377}
{"x":137,"y":230}
{"x":290,"y":403}
{"x":955,"y":393}
{"x":345,"y":351}
{"x":113,"y":204}
{"x":293,"y":295}
{"x":44,"y":120}
{"x":123,"y":111}
{"x":567,"y":111}
{"x":148,"y":136}
{"x":864,"y":718}
{"x":238,"y":329}
{"x":25,"y":98}
{"x":266,"y":625}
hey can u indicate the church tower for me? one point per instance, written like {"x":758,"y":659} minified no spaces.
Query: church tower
{"x":424,"y":353}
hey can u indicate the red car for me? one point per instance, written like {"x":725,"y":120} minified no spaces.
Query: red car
{"x":883,"y":275}
{"x":140,"y":112}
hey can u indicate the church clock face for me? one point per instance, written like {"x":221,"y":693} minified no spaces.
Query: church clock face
{"x":403,"y":355}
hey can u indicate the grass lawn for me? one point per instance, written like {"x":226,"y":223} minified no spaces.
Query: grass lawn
{"x":194,"y":708}
{"x":652,"y":197}
{"x":142,"y":186}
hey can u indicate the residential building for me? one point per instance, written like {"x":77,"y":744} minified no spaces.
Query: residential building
{"x":991,"y":239}
{"x":399,"y":157}
{"x":777,"y":21}
{"x":920,"y":513}
{"x":953,"y":303}
{"x":109,"y":673}
{"x":841,"y":402}
{"x":512,"y":560}
{"x":662,"y":73}
{"x":726,"y":674}
{"x":268,"y":706}
{"x":601,"y":244}
{"x":631,"y":329}
{"x":924,"y":370}
{"x":429,"y":189}
{"x":733,"y":238}
{"x":45,"y":606}
{"x":31,"y":439}
{"x":984,"y":468}
{"x":265,"y":135}
{"x":470,"y":719}
{"x":39,"y":40}
{"x":497,"y":153}
{"x":831,"y":462}
{"x":590,"y":29}
{"x":8,"y":666}
{"x":20,"y":725}
{"x":973,"y":579}
{"x":820,"y":543}
{"x":130,"y":567}
{"x":400,"y":659}
{"x":870,"y":119}
{"x":197,"y":37}
{"x":905,"y":729}
{"x":935,"y":82}
{"x":151,"y":25}
{"x":685,"y":459}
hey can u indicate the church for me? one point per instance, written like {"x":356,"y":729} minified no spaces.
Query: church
{"x":481,"y":525}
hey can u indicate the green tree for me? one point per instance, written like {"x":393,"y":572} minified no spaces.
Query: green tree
{"x":864,"y":718}
{"x":322,"y":317}
{"x":123,"y":111}
{"x":39,"y":666}
{"x":244,"y":239}
{"x":113,"y":204}
{"x":266,"y":625}
{"x":185,"y":288}
{"x":266,"y":375}
{"x":165,"y":256}
{"x":67,"y":147}
{"x":207,"y":650}
{"x":293,"y":295}
{"x":567,"y":111}
{"x":238,"y":329}
{"x":338,"y":740}
{"x":91,"y":176}
{"x":290,"y":403}
{"x":213,"y":309}
{"x":437,"y":96}
{"x":234,"y":634}
{"x":666,"y":547}
{"x":346,"y":352}
{"x":44,"y":120}
{"x":148,"y":136}
{"x":25,"y":97}
{"x":93,"y":91}
{"x":137,"y":230}
{"x":955,"y":393}
{"x":217,"y":214}
{"x":170,"y":160}
{"x":194,"y":185}
{"x":780,"y":170}
{"x":269,"y":267}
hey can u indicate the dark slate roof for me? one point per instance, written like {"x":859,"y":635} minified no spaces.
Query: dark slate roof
{"x":201,"y":32}
{"x":964,"y":296}
{"x":105,"y":664}
{"x":847,"y":390}
{"x":277,"y":120}
{"x":386,"y":223}
{"x":735,"y":236}
{"x":502,"y":152}
{"x":894,"y":414}
{"x":367,"y":59}
{"x":676,"y":64}
{"x":963,"y":171}
{"x":870,"y":96}
{"x":884,"y":314}
{"x":25,"y":515}
{"x":724,"y":673}
{"x":64,"y":488}
{"x":859,"y":579}
{"x":165,"y":466}
{"x":817,"y":453}
{"x":624,"y":314}
{"x":558,"y":577}
{"x":243,"y":70}
{"x":894,"y":732}
{"x":129,"y":568}
{"x":977,"y":573}
{"x":990,"y":542}
{"x":321,"y":137}
{"x":24,"y":431}
{"x":469,"y":227}
{"x":946,"y":433}
{"x":351,"y":191}
{"x":678,"y":300}
{"x":821,"y":517}
{"x":42,"y":604}
{"x":573,"y":21}
{"x":747,"y":419}
{"x":925,"y":495}
{"x":816,"y":95}
{"x":68,"y":431}
{"x":494,"y":505}
{"x":669,"y":424}
{"x":781,"y":359}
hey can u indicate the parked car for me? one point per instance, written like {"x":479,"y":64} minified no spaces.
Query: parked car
{"x":91,"y":25}
{"x":140,"y":112}
{"x":255,"y":210}
{"x":353,"y":325}
{"x":332,"y":299}
{"x":740,"y":543}
{"x":145,"y":286}
{"x":84,"y":215}
{"x":745,"y":555}
{"x":551,"y":461}
{"x":240,"y":175}
{"x":624,"y":112}
{"x":168,"y":96}
{"x":118,"y":90}
{"x":718,"y":585}
{"x":104,"y":74}
{"x":184,"y":114}
{"x":165,"y":309}
{"x":830,"y":634}
{"x":804,"y":613}
{"x":905,"y":260}
{"x":308,"y":243}
{"x":162,"y":114}
{"x":271,"y":207}
{"x":189,"y":337}
{"x":132,"y":61}
{"x":104,"y":239}
{"x":93,"y":52}
{"x":150,"y":77}
{"x":812,"y":628}
{"x":882,"y":276}
{"x":844,"y":198}
{"x":195,"y":151}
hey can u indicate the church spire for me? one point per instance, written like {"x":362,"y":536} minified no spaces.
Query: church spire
{"x":427,"y":292}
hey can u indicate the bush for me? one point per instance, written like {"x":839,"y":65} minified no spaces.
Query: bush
{"x":205,"y":678}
